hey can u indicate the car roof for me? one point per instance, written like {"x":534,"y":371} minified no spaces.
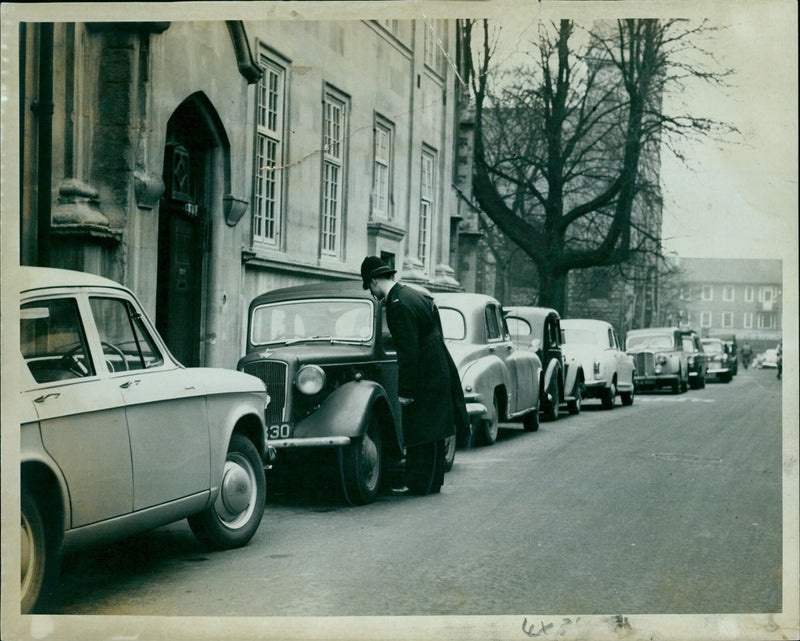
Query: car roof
{"x":348,"y":288}
{"x":530,"y":312}
{"x":649,"y":330}
{"x":463,"y":300}
{"x":33,"y":278}
{"x":592,"y":323}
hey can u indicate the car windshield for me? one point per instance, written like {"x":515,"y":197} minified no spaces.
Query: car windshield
{"x":580,"y":336}
{"x":317,"y":319}
{"x":453,"y":324}
{"x":650,"y":341}
{"x":713,"y":347}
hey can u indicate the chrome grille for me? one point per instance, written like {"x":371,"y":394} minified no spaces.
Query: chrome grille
{"x":645,"y":362}
{"x":273,"y":373}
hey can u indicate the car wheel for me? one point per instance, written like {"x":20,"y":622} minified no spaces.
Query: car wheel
{"x":574,"y":405}
{"x":449,"y":452}
{"x":609,"y":396}
{"x":236,"y":513}
{"x":627,"y":397}
{"x":530,"y":422}
{"x":550,"y":411}
{"x":492,"y":426}
{"x":38,"y":557}
{"x":360,"y":466}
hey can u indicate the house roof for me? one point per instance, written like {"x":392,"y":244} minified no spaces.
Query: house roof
{"x":733,"y":270}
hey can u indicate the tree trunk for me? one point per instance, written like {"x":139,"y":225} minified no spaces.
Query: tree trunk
{"x":553,"y":289}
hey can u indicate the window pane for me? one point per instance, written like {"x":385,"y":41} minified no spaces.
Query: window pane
{"x":52,"y":340}
{"x":126,"y":343}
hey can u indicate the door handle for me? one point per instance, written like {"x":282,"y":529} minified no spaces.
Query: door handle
{"x":42,"y":399}
{"x":491,"y":349}
{"x":128,"y":384}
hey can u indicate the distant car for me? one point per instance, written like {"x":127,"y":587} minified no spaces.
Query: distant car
{"x":733,"y":351}
{"x":767,"y":359}
{"x":696,"y":359}
{"x":117,"y":437}
{"x":659,"y":358}
{"x":607,"y":369}
{"x":494,"y":373}
{"x":538,"y":329}
{"x":720,"y":366}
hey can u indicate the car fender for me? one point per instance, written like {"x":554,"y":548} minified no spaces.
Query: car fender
{"x":247,"y":412}
{"x":345,"y":412}
{"x":483,"y":376}
{"x":550,"y":379}
{"x":33,"y":455}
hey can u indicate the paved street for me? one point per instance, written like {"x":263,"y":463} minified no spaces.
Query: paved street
{"x":670,"y":506}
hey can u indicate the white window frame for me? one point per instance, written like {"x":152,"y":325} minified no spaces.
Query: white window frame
{"x":267,"y":215}
{"x":747,"y":320}
{"x":748,"y":294}
{"x":435,"y":30}
{"x":766,"y":294}
{"x":708,"y":293}
{"x":727,"y":319}
{"x":335,"y":114}
{"x":705,"y":319}
{"x":686,"y":293}
{"x":382,"y":169}
{"x":728,"y":293}
{"x":427,"y":204}
{"x":764,"y":316}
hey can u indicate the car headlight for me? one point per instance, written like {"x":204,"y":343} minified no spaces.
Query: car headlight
{"x":661,"y":360}
{"x":691,"y":360}
{"x":310,"y":379}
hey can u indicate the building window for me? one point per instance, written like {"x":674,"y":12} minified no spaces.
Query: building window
{"x":705,"y":319}
{"x":708,"y":292}
{"x":426,"y":205}
{"x":748,"y":294}
{"x":727,"y":319}
{"x":766,"y":294}
{"x":766,"y":320}
{"x":435,"y":41}
{"x":382,"y":170}
{"x":334,"y":127}
{"x":686,"y":293}
{"x":728,"y":293}
{"x":747,"y":320}
{"x":269,"y":153}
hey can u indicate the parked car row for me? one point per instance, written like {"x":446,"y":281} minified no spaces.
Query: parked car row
{"x":117,"y":437}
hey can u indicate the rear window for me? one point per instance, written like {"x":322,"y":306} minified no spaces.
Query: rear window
{"x":454,"y":326}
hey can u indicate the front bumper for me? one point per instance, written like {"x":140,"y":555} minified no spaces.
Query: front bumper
{"x":719,"y":371}
{"x":314,"y":441}
{"x":594,"y":388}
{"x":656,"y":381}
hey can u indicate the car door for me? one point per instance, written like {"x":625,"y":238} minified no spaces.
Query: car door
{"x":522,"y":366}
{"x":80,"y":411}
{"x":165,"y":406}
{"x":499,"y":343}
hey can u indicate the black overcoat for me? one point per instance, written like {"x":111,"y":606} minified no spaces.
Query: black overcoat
{"x":426,"y":370}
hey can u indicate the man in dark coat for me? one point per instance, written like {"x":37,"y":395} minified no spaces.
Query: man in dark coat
{"x":428,"y":377}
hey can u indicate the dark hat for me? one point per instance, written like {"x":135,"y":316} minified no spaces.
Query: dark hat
{"x":373,"y":267}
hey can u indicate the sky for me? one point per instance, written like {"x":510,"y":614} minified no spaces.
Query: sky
{"x":733,"y":199}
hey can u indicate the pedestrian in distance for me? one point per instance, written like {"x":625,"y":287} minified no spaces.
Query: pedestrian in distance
{"x":431,"y":398}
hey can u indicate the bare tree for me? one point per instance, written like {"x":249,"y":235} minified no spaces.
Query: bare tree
{"x":568,"y":145}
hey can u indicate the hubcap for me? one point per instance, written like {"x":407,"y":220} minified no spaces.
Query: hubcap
{"x":369,"y":461}
{"x":235,"y":502}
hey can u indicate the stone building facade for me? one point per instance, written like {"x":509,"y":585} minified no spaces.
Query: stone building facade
{"x":201,"y":163}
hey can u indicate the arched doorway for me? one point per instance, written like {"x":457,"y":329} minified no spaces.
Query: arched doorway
{"x":193,"y":132}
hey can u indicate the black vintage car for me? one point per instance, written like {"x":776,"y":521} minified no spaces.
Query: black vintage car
{"x":330,"y":367}
{"x":696,"y":359}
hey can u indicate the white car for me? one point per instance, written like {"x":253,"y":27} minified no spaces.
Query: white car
{"x":117,"y":437}
{"x":607,"y":369}
{"x":768,"y":358}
